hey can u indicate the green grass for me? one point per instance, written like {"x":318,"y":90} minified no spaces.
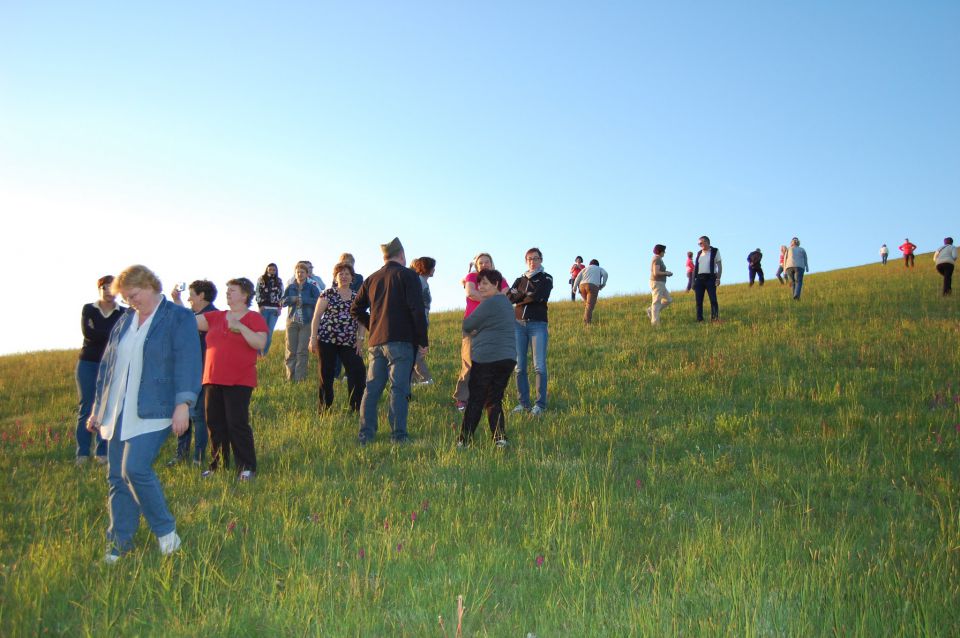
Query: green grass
{"x":791,"y":471}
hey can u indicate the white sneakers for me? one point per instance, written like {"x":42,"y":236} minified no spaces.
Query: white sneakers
{"x":169,"y":543}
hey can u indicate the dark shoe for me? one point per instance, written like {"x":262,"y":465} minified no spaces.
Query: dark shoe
{"x":175,"y":460}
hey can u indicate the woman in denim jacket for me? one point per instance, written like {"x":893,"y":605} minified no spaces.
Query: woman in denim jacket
{"x":300,"y":298}
{"x":147,"y":384}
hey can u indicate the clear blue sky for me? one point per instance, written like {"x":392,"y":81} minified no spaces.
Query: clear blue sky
{"x":207,"y":139}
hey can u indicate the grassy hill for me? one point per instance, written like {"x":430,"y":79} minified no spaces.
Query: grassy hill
{"x":792,"y":470}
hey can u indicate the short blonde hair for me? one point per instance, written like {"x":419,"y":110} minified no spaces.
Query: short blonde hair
{"x":347,"y":257}
{"x":136,"y":276}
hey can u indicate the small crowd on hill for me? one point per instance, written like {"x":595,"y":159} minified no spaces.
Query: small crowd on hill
{"x":158,"y":367}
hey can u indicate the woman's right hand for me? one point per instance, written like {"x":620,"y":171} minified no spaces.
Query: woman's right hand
{"x":312,"y":345}
{"x":92,"y":424}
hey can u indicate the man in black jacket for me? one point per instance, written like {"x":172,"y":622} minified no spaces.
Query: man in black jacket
{"x":529,"y":295}
{"x":389,"y":304}
{"x":754,"y":267}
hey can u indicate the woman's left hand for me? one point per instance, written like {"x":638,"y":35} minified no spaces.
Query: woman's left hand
{"x":181,"y":418}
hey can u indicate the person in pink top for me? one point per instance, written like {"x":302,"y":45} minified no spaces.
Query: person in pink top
{"x":574,"y":271}
{"x":908,"y":248}
{"x":483,"y":261}
{"x":689,"y":270}
{"x":234,"y":339}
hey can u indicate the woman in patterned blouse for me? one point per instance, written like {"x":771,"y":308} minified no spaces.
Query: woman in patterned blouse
{"x":334,"y":333}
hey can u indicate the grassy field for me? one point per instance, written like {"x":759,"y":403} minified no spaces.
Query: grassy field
{"x":791,"y":471}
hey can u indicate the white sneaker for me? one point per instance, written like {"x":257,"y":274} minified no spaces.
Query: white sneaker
{"x":537,"y":410}
{"x":112,"y":556}
{"x":169,"y":543}
{"x":501,"y":442}
{"x":519,"y":409}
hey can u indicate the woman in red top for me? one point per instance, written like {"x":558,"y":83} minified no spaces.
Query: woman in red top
{"x":574,"y":271}
{"x":234,"y":338}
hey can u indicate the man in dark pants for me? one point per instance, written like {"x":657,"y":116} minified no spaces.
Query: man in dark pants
{"x":389,"y":304}
{"x":201,"y":294}
{"x":756,"y":271}
{"x":706,"y":277}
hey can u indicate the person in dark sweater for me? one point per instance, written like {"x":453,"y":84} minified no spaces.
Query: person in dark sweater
{"x":200,"y":296}
{"x":529,"y":295}
{"x":389,"y":304}
{"x":493,"y":353}
{"x":97,"y":319}
{"x":755,"y":270}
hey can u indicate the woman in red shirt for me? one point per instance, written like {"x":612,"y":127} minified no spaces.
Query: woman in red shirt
{"x":234,"y":337}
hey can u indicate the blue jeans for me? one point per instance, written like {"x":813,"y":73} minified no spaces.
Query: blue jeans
{"x":796,"y":275}
{"x":198,"y":424}
{"x":393,"y":360}
{"x":532,"y":333}
{"x":270,"y":315}
{"x":86,"y":388}
{"x":135,"y":488}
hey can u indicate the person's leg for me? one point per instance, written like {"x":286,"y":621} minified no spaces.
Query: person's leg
{"x":356,"y":372}
{"x":751,"y":274}
{"x":183,"y":443}
{"x":760,"y":275}
{"x":421,"y":371}
{"x":948,"y":279}
{"x":86,"y":378}
{"x":270,"y":315}
{"x":711,"y":287}
{"x":290,"y":357}
{"x":538,"y":338}
{"x":237,"y":409}
{"x":590,"y":301}
{"x":376,"y":382}
{"x":523,"y":383}
{"x":303,"y":352}
{"x":780,"y":274}
{"x":479,"y":380}
{"x":326,"y":364}
{"x":689,"y":281}
{"x":140,"y":453}
{"x":461,"y":392}
{"x":200,"y":434}
{"x":400,"y":360}
{"x":123,"y":508}
{"x":698,"y":289}
{"x":217,"y":426}
{"x":499,"y":377}
{"x":798,"y":282}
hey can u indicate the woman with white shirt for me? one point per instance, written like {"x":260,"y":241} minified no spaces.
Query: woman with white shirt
{"x":946,"y":258}
{"x":149,"y":378}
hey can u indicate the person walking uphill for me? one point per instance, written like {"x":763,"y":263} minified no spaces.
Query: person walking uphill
{"x":707,"y":269}
{"x":659,"y":295}
{"x":574,"y":271}
{"x":389,"y":305}
{"x":796,"y":265}
{"x":529,"y":295}
{"x":946,"y":258}
{"x":753,"y":265}
{"x":590,"y":282}
{"x":908,"y":248}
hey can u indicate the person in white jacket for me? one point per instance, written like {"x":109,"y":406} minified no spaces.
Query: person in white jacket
{"x":795,"y":263}
{"x":946,"y":258}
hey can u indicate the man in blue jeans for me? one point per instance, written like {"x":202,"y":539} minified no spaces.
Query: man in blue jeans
{"x":529,"y":295}
{"x":389,"y":304}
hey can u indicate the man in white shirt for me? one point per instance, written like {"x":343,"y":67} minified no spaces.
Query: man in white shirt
{"x":706,"y":277}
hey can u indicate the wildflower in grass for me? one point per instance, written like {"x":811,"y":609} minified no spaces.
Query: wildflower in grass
{"x":399,"y":547}
{"x":540,"y":560}
{"x":413,"y":517}
{"x":232,"y":525}
{"x":386,"y":523}
{"x":939,"y":439}
{"x":315,"y":517}
{"x":361,"y":554}
{"x":424,"y":505}
{"x":639,"y":484}
{"x":957,"y":428}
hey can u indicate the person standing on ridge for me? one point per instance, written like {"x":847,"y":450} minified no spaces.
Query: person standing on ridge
{"x":529,"y":295}
{"x":908,"y":248}
{"x":707,"y":269}
{"x":884,"y":253}
{"x":796,"y":265}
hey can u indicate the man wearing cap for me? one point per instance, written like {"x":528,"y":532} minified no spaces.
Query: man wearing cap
{"x":706,"y":277}
{"x":753,"y":266}
{"x":390,"y":306}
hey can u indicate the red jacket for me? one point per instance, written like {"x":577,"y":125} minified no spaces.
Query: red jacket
{"x":907,"y":248}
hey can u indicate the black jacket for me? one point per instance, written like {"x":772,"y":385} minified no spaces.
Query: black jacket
{"x":394,"y":297}
{"x":529,"y":295}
